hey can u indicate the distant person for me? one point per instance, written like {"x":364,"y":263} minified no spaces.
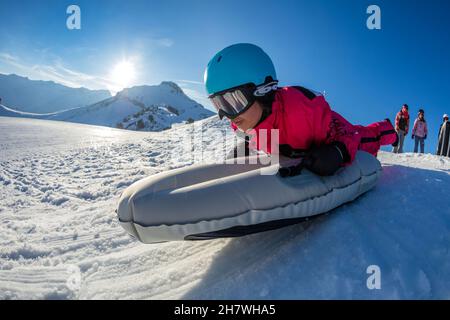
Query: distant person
{"x":443,"y":148}
{"x":444,"y":118}
{"x":401,"y":126}
{"x":419,"y":132}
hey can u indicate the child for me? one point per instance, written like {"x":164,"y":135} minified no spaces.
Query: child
{"x":242,"y":84}
{"x":419,"y":132}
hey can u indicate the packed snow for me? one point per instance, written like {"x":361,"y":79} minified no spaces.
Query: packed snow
{"x":60,"y":238}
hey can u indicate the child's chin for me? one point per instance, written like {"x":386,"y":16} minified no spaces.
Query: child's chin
{"x":244,"y":127}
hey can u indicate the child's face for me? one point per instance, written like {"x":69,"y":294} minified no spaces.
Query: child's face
{"x":249,"y":118}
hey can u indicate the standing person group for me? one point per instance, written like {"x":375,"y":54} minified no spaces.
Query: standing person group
{"x":420,"y":132}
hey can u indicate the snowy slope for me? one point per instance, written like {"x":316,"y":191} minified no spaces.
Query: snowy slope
{"x":9,"y":112}
{"x":146,"y":108}
{"x":59,"y":236}
{"x":38,"y":96}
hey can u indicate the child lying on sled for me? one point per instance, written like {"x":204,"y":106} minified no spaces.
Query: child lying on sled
{"x":242,"y":84}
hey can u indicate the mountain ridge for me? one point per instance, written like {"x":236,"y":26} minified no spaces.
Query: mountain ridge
{"x":143,"y":107}
{"x":42,"y":96}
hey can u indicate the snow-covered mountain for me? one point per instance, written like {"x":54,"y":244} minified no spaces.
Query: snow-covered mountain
{"x":146,"y":108}
{"x":36,"y":96}
{"x":60,"y":238}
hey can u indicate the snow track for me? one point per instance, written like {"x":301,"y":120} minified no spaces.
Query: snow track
{"x":60,"y":239}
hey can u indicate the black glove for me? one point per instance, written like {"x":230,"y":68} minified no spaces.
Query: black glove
{"x":291,"y":171}
{"x":326,"y":159}
{"x":412,"y":137}
{"x":425,"y":137}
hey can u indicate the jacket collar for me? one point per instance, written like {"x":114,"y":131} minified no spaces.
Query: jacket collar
{"x":270,"y":122}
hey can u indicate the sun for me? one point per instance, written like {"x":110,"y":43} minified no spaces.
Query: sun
{"x":123,"y":73}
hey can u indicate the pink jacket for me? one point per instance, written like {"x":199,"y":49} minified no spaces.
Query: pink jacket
{"x":420,"y":128}
{"x":306,"y":121}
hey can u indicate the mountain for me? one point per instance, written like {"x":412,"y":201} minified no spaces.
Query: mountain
{"x":60,"y":238}
{"x":146,"y":108}
{"x":36,"y":96}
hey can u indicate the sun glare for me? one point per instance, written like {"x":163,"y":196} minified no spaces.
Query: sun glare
{"x":123,"y":73}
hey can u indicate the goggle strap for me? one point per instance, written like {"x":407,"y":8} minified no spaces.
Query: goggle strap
{"x":264,"y":89}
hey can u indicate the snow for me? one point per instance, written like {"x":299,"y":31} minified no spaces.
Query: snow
{"x":60,"y":238}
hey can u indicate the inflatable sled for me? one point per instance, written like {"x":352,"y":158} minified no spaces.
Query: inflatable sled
{"x":224,"y":200}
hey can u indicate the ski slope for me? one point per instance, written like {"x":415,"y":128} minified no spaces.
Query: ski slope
{"x":60,"y":239}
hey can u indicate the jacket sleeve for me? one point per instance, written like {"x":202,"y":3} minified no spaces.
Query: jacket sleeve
{"x":343,"y":134}
{"x":415,"y":127}
{"x":397,"y":119}
{"x":329,"y":127}
{"x":426,"y":129}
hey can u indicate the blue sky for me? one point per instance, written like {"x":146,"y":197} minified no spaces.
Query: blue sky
{"x":325,"y":45}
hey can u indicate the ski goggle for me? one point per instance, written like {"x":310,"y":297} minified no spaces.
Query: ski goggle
{"x":235,"y":101}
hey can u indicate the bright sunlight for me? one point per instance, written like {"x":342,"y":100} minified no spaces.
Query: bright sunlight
{"x":123,"y":73}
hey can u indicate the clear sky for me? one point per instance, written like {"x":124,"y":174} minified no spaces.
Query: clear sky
{"x":324,"y":45}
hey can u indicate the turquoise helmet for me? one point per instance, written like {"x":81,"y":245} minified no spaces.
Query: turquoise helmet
{"x":236,"y":65}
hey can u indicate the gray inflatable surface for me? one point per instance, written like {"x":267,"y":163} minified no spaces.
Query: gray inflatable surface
{"x":216,"y":200}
